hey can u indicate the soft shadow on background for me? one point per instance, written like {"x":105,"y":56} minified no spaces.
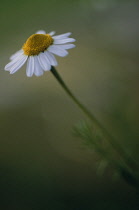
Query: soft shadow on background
{"x":42,"y":165}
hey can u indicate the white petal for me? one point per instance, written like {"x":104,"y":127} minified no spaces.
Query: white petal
{"x":18,"y":64}
{"x":63,"y":41}
{"x":38,"y":71}
{"x":57,"y":50}
{"x":62,"y":36}
{"x":51,"y":58}
{"x":67,"y":46}
{"x":52,"y":33}
{"x":13,"y":62}
{"x":20,"y":52}
{"x":41,"y":32}
{"x":30,"y":66}
{"x":44,"y":62}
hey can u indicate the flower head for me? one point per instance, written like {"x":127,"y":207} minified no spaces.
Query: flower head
{"x":38,"y":51}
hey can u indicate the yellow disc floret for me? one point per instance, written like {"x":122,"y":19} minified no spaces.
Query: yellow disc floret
{"x":37,"y":43}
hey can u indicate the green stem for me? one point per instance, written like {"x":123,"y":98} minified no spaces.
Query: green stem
{"x":125,"y":171}
{"x":96,"y":123}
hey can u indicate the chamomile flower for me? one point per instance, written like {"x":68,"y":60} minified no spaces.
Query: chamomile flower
{"x":38,"y":52}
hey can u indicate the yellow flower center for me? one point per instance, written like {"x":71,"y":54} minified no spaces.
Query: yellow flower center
{"x":37,"y":43}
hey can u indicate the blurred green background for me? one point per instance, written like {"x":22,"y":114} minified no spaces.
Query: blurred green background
{"x":42,"y":165}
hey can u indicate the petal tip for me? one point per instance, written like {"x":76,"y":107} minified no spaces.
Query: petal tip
{"x":41,"y":32}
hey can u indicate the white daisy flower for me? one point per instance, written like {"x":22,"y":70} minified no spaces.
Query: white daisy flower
{"x":38,"y":51}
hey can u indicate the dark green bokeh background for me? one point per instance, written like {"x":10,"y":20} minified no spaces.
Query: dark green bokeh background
{"x":42,"y":166}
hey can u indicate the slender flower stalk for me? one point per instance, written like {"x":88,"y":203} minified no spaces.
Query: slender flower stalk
{"x":124,"y":156}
